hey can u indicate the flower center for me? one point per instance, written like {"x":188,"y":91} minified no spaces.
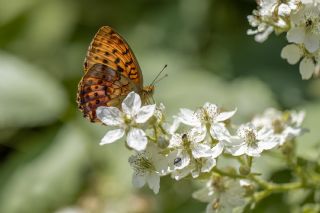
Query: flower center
{"x":277,"y":126}
{"x":143,"y":164}
{"x":308,"y":23}
{"x":218,"y":184}
{"x":216,"y":204}
{"x":127,"y":118}
{"x":249,"y":135}
{"x":311,"y":21}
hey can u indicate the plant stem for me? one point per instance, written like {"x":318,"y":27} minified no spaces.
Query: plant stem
{"x":273,"y":188}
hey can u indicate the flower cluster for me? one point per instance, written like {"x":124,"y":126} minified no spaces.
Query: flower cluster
{"x":300,"y":20}
{"x":193,"y":143}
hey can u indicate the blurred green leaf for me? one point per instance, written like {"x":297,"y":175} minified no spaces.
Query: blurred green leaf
{"x":308,"y":146}
{"x":51,"y":179}
{"x":14,"y":9}
{"x":190,"y":86}
{"x":48,"y":25}
{"x":28,"y":95}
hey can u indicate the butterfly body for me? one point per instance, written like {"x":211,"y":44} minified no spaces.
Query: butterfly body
{"x":111,"y":72}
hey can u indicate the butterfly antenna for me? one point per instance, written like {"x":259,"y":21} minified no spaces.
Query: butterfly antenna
{"x":160,"y":79}
{"x":155,"y":79}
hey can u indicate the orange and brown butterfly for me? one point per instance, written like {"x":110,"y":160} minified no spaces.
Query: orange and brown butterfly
{"x":111,"y":72}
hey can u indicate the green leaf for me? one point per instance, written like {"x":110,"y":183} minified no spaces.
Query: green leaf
{"x":189,"y":86}
{"x":29,"y":96}
{"x":308,"y":145}
{"x":9,"y":11}
{"x":50,"y":180}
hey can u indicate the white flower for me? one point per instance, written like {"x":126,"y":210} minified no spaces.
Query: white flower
{"x":205,"y":117}
{"x":270,"y":16}
{"x":222,"y":193}
{"x":189,"y":146}
{"x":285,"y":125}
{"x":194,"y":167}
{"x":209,"y":113}
{"x":292,"y":53}
{"x":178,"y":174}
{"x":252,"y":141}
{"x":148,"y":166}
{"x":127,"y":120}
{"x":269,"y":8}
{"x":308,"y":65}
{"x":194,"y":154}
{"x":223,"y":138}
{"x":306,"y":28}
{"x":261,"y":33}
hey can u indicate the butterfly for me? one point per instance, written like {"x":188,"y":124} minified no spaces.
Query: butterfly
{"x":111,"y":72}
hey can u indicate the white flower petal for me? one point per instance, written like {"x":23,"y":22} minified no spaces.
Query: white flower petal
{"x":181,"y":173}
{"x":201,"y":150}
{"x":110,"y":116}
{"x":296,"y":35}
{"x":195,"y":173}
{"x":292,"y":53}
{"x":254,"y":151}
{"x":235,"y":141}
{"x":269,"y":143}
{"x":284,"y":10}
{"x":311,"y":42}
{"x":182,"y":160}
{"x":165,"y":164}
{"x":197,"y":134}
{"x":208,"y":164}
{"x":264,"y":133}
{"x":203,"y":194}
{"x":137,"y":139}
{"x":293,"y":132}
{"x":138,"y":180}
{"x":188,"y":117}
{"x":237,"y":150}
{"x":131,"y":104}
{"x":220,"y":133}
{"x":225,"y":115}
{"x":175,"y":141}
{"x":111,"y":136}
{"x":307,"y":68}
{"x":263,"y":36}
{"x":145,"y":113}
{"x":211,"y":109}
{"x":172,"y":128}
{"x":153,"y":181}
{"x":217,"y":150}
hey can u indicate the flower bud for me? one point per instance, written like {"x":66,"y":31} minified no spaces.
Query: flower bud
{"x":244,"y":170}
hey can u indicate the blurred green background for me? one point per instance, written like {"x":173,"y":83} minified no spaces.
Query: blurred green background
{"x":50,"y":160}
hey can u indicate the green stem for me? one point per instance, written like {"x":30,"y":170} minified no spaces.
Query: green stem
{"x":228,"y":174}
{"x":262,"y":183}
{"x":274,"y":188}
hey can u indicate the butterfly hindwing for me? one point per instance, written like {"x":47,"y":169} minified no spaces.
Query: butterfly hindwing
{"x":102,"y":86}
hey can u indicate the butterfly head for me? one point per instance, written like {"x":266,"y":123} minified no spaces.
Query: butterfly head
{"x":147,"y":93}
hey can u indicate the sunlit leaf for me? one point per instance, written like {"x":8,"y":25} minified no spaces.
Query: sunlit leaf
{"x":51,"y":179}
{"x":28,"y":95}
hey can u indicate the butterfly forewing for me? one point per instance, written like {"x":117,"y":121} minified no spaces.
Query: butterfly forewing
{"x":110,"y":49}
{"x":111,"y":72}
